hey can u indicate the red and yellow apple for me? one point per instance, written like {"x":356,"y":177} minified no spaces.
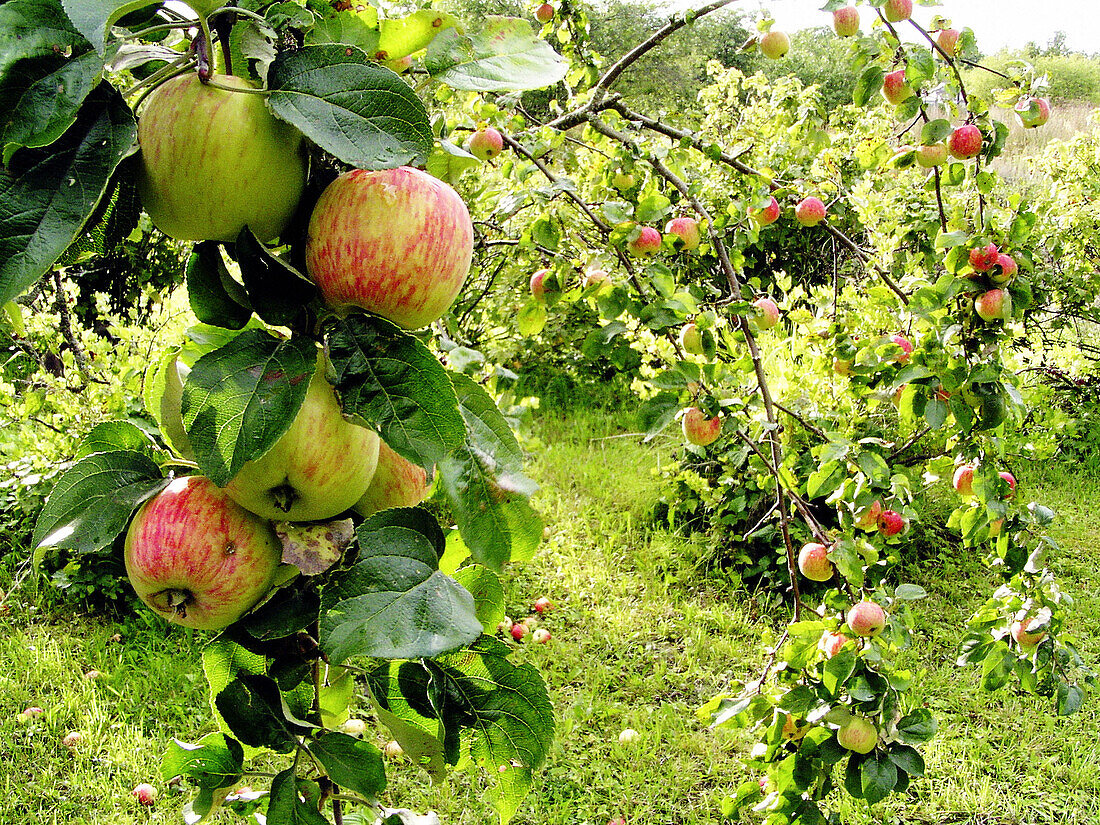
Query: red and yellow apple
{"x":846,"y":21}
{"x":485,"y":143}
{"x":699,"y":429}
{"x":858,"y":735}
{"x":685,"y":231}
{"x":769,"y":214}
{"x":813,"y":562}
{"x":810,"y":211}
{"x":965,"y":142}
{"x":866,"y":619}
{"x":774,"y":45}
{"x":897,"y":10}
{"x":895,"y":88}
{"x":646,"y":243}
{"x":767,"y":312}
{"x":397,"y":482}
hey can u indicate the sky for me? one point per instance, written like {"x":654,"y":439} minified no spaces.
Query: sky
{"x":996,"y":23}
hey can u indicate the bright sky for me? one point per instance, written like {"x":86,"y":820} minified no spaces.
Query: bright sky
{"x":996,"y":23}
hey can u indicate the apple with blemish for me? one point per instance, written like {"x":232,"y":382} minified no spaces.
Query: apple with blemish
{"x":519,"y":631}
{"x":846,"y":21}
{"x":984,"y":258}
{"x":1004,"y":270}
{"x":686,"y":233}
{"x":994,"y":305}
{"x":543,"y":605}
{"x":699,"y":429}
{"x":813,"y":562}
{"x":810,"y":211}
{"x":965,"y":142}
{"x":1010,"y":480}
{"x":842,"y":367}
{"x":890,"y":523}
{"x":859,"y":735}
{"x":866,"y":619}
{"x":397,"y":482}
{"x":396,"y":242}
{"x":1027,"y":633}
{"x":485,"y":143}
{"x":774,"y":45}
{"x":646,"y":243}
{"x":541,"y":636}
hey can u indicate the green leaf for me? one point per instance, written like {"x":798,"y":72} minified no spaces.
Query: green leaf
{"x":504,"y":56}
{"x":838,"y":669}
{"x":350,"y":763}
{"x":997,"y":667}
{"x":409,"y":34}
{"x":47,"y":195}
{"x":868,"y":85}
{"x":403,"y":715}
{"x":241,"y":398}
{"x":253,"y":709}
{"x":825,"y":479}
{"x":531,"y":318}
{"x":287,"y":805}
{"x":1070,"y":698}
{"x":485,"y":483}
{"x":362,"y":113}
{"x":91,"y":504}
{"x":215,"y":298}
{"x":878,"y":776}
{"x":34,"y":29}
{"x":289,"y":611}
{"x":656,"y":413}
{"x":94,"y":18}
{"x":114,"y":435}
{"x":935,"y":131}
{"x":910,"y":592}
{"x":215,"y":762}
{"x":907,"y":758}
{"x":484,"y":585}
{"x":277,"y":291}
{"x":394,"y":603}
{"x":917,"y":727}
{"x":388,"y":378}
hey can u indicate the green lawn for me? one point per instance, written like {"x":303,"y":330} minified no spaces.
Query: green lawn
{"x":641,"y":638}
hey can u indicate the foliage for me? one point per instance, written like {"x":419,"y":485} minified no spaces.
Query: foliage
{"x":1071,"y":77}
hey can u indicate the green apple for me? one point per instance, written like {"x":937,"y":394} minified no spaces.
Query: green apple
{"x":858,"y":736}
{"x":214,"y":161}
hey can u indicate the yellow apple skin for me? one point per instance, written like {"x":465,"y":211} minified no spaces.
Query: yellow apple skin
{"x":397,"y":482}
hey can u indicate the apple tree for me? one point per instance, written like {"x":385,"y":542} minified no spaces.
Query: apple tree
{"x":304,"y":419}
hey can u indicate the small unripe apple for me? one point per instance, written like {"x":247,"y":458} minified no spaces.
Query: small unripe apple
{"x":628,"y":736}
{"x":813,"y":562}
{"x":393,"y":749}
{"x":594,"y":277}
{"x":353,"y":727}
{"x":1004,"y":270}
{"x":769,"y":214}
{"x":948,"y":41}
{"x":519,"y":631}
{"x":486,"y":143}
{"x":898,"y":10}
{"x":622,"y":181}
{"x":544,"y":13}
{"x":775,"y":45}
{"x":934,"y":154}
{"x":686,"y":230}
{"x":895,"y":88}
{"x":846,"y":21}
{"x":541,"y":636}
{"x":144,"y":793}
{"x":72,"y":739}
{"x":858,"y":735}
{"x":767,"y":313}
{"x":543,"y":605}
{"x":963,"y":481}
{"x":868,"y":519}
{"x":646,"y":243}
{"x":1033,"y":113}
{"x":831,"y":643}
{"x":965,"y":142}
{"x":1010,"y":480}
{"x":691,"y":339}
{"x":700,"y":430}
{"x":866,"y":619}
{"x":810,"y":211}
{"x":890,"y":523}
{"x":984,"y":258}
{"x":92,"y":675}
{"x":1024,"y":634}
{"x":505,"y":625}
{"x":996,"y":304}
{"x":906,"y":348}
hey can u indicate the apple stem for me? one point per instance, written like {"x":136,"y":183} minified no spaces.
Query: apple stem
{"x":203,"y":45}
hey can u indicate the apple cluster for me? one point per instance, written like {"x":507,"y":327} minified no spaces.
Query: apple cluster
{"x":395,"y":242}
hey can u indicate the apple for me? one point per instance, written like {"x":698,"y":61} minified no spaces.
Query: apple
{"x":29,"y":713}
{"x":890,"y":523}
{"x":1004,"y":270}
{"x":92,"y":675}
{"x":543,"y":283}
{"x":810,"y":211}
{"x":866,"y":619}
{"x":618,"y":820}
{"x":543,"y":605}
{"x":963,"y":480}
{"x":1026,"y":634}
{"x":628,"y":736}
{"x":530,"y":621}
{"x":813,"y":562}
{"x":399,"y":65}
{"x":996,"y":304}
{"x":396,"y":242}
{"x":965,"y":142}
{"x":897,"y":10}
{"x":984,"y":258}
{"x":948,"y":41}
{"x":1033,"y":112}
{"x":594,"y":277}
{"x":646,"y":243}
{"x":72,"y":739}
{"x":995,"y":527}
{"x":519,"y":631}
{"x":321,"y":466}
{"x":868,"y":519}
{"x":846,"y":21}
{"x":214,"y":161}
{"x":895,"y":89}
{"x":396,"y":482}
{"x":198,"y":558}
{"x":353,"y":727}
{"x":544,"y":13}
{"x":934,"y":154}
{"x":906,"y":348}
{"x":144,"y":793}
{"x":769,"y":214}
{"x":1010,"y":480}
{"x":393,"y":749}
{"x":775,"y":45}
{"x":505,"y":625}
{"x":700,"y":430}
{"x":541,"y":636}
{"x":485,"y":143}
{"x":686,"y":231}
{"x":691,"y":339}
{"x":831,"y":643}
{"x":622,"y":181}
{"x":858,"y":735}
{"x":767,"y":313}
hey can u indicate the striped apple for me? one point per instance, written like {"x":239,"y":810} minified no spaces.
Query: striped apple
{"x":197,"y":557}
{"x":397,"y":243}
{"x":397,"y":482}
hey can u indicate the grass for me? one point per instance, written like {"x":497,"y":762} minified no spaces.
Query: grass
{"x":1023,"y":145}
{"x":641,"y":639}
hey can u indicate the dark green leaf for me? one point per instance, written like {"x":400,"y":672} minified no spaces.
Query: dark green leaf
{"x":48,"y":104}
{"x":504,"y":56}
{"x":1070,"y":698}
{"x":406,"y":720}
{"x":838,"y":668}
{"x":287,"y":805}
{"x":277,"y":291}
{"x":484,"y":585}
{"x":215,"y":762}
{"x":35,"y":28}
{"x":878,"y":776}
{"x":907,"y":758}
{"x":351,"y":763}
{"x":935,"y":131}
{"x":997,"y":667}
{"x":917,"y":727}
{"x":868,"y":85}
{"x":252,"y":707}
{"x":241,"y":398}
{"x":656,"y":413}
{"x":362,"y":113}
{"x":290,"y":610}
{"x":215,"y":298}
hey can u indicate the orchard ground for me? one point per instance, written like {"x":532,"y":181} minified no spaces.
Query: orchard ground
{"x":645,"y":630}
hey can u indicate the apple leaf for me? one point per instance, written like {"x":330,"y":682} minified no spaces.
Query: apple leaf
{"x":504,"y":56}
{"x":215,"y":762}
{"x":409,"y":34}
{"x":388,"y":378}
{"x":314,"y":548}
{"x":415,"y":732}
{"x":290,"y":802}
{"x":277,"y":291}
{"x":241,"y":398}
{"x":362,"y":113}
{"x":93,"y":18}
{"x":47,"y":195}
{"x":878,"y":776}
{"x":484,"y":585}
{"x":35,"y":28}
{"x":253,"y":708}
{"x":288,"y":611}
{"x":351,"y":763}
{"x":394,"y":603}
{"x":215,"y":298}
{"x":485,"y":483}
{"x":91,"y":504}
{"x":115,"y":435}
